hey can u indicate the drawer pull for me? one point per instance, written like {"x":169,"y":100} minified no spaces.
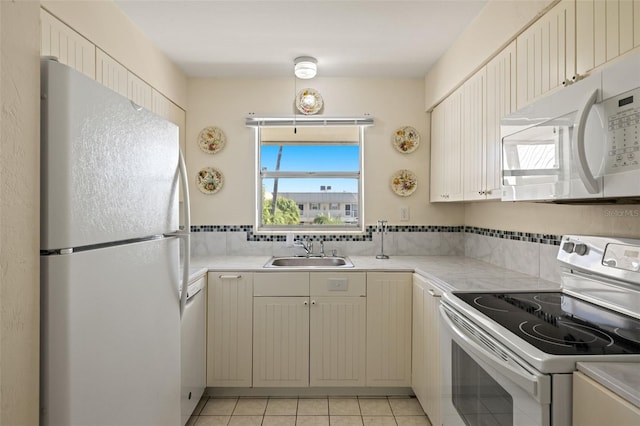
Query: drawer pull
{"x":433,"y":293}
{"x":230,"y":277}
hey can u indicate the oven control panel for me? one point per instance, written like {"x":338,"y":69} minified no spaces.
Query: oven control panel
{"x":622,"y":256}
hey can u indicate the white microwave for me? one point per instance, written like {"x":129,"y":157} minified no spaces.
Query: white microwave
{"x":581,"y":143}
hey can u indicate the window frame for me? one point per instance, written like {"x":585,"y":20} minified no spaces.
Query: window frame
{"x":358,"y":228}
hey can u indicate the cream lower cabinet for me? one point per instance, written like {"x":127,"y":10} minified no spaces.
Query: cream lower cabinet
{"x":309,"y":329}
{"x":595,"y":405}
{"x":425,"y":367}
{"x":389,"y":328}
{"x":338,"y":329}
{"x":281,"y":341}
{"x":229,"y":329}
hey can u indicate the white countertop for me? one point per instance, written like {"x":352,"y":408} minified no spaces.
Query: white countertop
{"x":622,"y":378}
{"x":449,"y":272}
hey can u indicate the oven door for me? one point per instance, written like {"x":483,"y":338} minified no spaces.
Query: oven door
{"x":484,"y":383}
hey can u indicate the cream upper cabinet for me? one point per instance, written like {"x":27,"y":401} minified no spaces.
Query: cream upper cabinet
{"x":111,"y":73}
{"x":139,"y":91}
{"x":229,"y":329}
{"x":389,"y":328}
{"x":61,"y":41}
{"x":426,"y":366}
{"x":473,"y":128}
{"x":500,"y":101}
{"x":446,"y":158}
{"x":605,"y":29}
{"x":546,"y":53}
{"x":595,"y":405}
{"x":167,"y":109}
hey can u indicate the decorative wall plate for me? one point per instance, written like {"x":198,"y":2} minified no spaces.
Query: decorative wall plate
{"x":211,"y":140}
{"x":209,"y":180}
{"x":309,"y":101}
{"x":406,"y":139}
{"x":404,"y":182}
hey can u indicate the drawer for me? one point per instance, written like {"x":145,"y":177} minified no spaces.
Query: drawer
{"x":281,"y":284}
{"x":338,"y":283}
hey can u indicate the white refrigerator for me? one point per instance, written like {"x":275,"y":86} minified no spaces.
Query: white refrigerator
{"x":110,"y":257}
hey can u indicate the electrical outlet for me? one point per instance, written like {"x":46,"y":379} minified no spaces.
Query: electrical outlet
{"x":289,"y":242}
{"x":404,"y":213}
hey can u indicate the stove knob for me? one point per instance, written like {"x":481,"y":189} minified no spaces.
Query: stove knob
{"x":568,"y":247}
{"x":581,"y":249}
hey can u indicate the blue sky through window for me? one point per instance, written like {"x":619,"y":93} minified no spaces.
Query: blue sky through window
{"x":311,"y":158}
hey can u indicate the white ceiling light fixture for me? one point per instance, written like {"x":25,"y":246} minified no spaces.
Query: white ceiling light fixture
{"x":305,"y":67}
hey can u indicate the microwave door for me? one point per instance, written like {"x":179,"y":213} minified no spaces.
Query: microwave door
{"x":536,"y":162}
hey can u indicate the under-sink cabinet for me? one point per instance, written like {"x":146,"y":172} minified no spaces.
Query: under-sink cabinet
{"x":309,"y":329}
{"x":229,"y":329}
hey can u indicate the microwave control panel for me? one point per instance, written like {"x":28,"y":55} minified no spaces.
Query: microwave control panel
{"x":623,"y":135}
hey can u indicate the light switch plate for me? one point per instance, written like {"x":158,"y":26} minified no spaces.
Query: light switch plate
{"x":404,"y":213}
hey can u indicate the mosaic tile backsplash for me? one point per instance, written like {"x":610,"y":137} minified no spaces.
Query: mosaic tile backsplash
{"x":530,"y":253}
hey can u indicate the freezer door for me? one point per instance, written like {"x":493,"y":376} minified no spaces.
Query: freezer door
{"x":109,"y":167}
{"x":110,"y":336}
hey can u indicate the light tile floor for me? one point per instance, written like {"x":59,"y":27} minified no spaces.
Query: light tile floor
{"x":332,"y":411}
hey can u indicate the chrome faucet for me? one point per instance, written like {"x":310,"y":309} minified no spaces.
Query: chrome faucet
{"x":306,"y":245}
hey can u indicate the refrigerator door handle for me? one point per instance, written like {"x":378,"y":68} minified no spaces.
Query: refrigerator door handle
{"x":185,"y":234}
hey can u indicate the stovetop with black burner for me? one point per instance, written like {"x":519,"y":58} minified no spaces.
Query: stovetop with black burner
{"x":558,"y":323}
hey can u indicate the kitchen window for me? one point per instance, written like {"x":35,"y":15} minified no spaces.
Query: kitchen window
{"x":315,"y":165}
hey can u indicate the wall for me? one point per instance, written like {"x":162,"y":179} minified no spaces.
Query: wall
{"x":19,"y":211}
{"x":393,"y":103}
{"x":102,"y":23}
{"x":490,"y":31}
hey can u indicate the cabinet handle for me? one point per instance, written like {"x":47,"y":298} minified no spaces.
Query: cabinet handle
{"x":313,"y":302}
{"x":305,"y":303}
{"x":433,"y":293}
{"x":230,"y":277}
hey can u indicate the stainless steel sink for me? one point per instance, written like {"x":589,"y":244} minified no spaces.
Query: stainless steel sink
{"x":309,"y":262}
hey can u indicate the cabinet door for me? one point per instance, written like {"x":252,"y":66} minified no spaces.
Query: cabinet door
{"x":437,"y":155}
{"x":139,"y":91}
{"x":426,"y":380}
{"x":446,"y":158}
{"x":59,"y":40}
{"x":593,"y":405}
{"x":388,"y":329}
{"x":337,"y":341}
{"x":546,"y":53}
{"x":605,"y":29}
{"x":433,"y":370}
{"x":418,"y":334}
{"x":281,"y":342}
{"x":501,"y":101}
{"x":473,"y":136}
{"x":111,"y":73}
{"x":229,"y":329}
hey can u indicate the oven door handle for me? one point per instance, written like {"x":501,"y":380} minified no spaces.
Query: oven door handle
{"x":537,"y":385}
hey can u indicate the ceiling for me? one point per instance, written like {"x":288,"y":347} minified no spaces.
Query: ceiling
{"x":261,"y":38}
